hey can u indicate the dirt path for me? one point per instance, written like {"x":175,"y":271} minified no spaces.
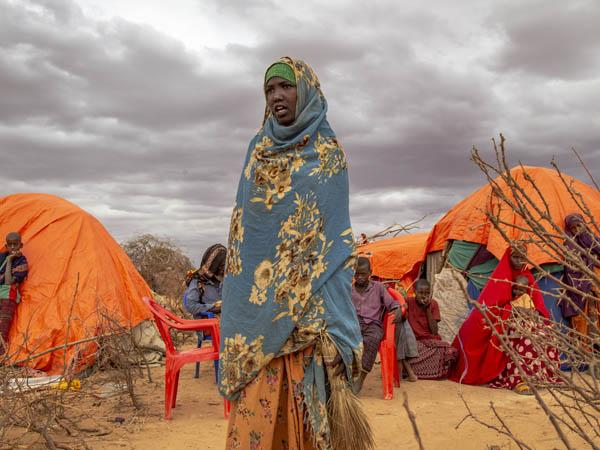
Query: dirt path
{"x":198,"y":419}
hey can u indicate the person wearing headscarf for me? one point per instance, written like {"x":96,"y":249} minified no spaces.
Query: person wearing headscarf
{"x":290,"y":339}
{"x":527,"y":362}
{"x":203,"y":291}
{"x":583,"y":244}
{"x":481,"y":358}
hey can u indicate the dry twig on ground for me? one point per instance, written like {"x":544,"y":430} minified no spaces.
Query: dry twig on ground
{"x":413,"y":421}
{"x":53,"y":411}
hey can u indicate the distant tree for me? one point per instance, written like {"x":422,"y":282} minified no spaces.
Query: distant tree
{"x":160,"y":262}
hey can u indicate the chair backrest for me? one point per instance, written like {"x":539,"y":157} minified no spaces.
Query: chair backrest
{"x":388,"y":326}
{"x":165,"y":320}
{"x":161,"y":323}
{"x":399,"y":298}
{"x":396,"y":295}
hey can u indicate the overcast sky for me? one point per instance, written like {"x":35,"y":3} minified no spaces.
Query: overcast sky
{"x":140,"y":111}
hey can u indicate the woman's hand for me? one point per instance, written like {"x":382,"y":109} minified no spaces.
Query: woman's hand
{"x":397,"y":313}
{"x":424,"y":302}
{"x":337,"y":364}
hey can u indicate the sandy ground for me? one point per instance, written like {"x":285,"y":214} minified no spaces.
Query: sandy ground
{"x":198,"y":421}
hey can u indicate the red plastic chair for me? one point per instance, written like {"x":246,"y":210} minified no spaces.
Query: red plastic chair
{"x":175,"y":359}
{"x":390,"y":376}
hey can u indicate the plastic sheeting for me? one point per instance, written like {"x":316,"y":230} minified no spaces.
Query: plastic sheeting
{"x":397,"y":258}
{"x":467,"y":220}
{"x":79,"y":280}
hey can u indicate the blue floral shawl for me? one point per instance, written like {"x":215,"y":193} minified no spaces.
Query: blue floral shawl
{"x":291,"y":251}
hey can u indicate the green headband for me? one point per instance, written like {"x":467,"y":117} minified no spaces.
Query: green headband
{"x":281,"y":70}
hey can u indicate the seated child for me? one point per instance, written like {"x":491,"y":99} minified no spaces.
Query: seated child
{"x":371,"y":300}
{"x":434,"y":357}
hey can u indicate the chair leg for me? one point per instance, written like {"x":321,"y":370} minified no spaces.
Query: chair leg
{"x":168,"y":393}
{"x":175,"y":387}
{"x":199,"y":344}
{"x":227,"y":408}
{"x":396,"y":372}
{"x":216,"y":364}
{"x":387,"y":374}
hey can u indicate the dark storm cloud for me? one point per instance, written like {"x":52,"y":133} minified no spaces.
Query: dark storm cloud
{"x":120,"y":119}
{"x":149,"y":135}
{"x":551,"y":39}
{"x":116,"y":69}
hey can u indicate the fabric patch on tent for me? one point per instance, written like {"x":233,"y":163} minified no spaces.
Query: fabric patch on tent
{"x":461,"y":253}
{"x":551,"y":291}
{"x":449,"y":291}
{"x":433,"y":265}
{"x":473,"y":292}
{"x":480,"y":274}
{"x":549,"y":268}
{"x":482,"y":255}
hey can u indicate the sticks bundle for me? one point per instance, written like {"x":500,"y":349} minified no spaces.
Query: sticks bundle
{"x":350,"y":429}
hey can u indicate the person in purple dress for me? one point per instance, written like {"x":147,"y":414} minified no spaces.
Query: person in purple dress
{"x":582,"y":243}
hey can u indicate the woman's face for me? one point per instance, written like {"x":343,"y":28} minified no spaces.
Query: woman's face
{"x":281,"y":100}
{"x":220,"y":271}
{"x":576,"y":228}
{"x":518,"y":261}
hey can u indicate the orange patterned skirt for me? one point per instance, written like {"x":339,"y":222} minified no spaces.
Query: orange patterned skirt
{"x":269,"y":414}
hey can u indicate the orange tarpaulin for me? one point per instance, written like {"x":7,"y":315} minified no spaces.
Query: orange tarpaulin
{"x":396,"y":258}
{"x":78,"y":275}
{"x":467,"y":220}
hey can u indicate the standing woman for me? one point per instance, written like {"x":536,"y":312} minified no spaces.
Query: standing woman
{"x":290,"y":340}
{"x":481,"y":358}
{"x":582,"y":244}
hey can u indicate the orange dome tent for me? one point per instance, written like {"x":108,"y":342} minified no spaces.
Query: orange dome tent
{"x":467,"y":220}
{"x":396,"y":258}
{"x":78,"y":276}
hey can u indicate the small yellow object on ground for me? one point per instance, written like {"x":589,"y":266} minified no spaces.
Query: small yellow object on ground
{"x":63,"y":385}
